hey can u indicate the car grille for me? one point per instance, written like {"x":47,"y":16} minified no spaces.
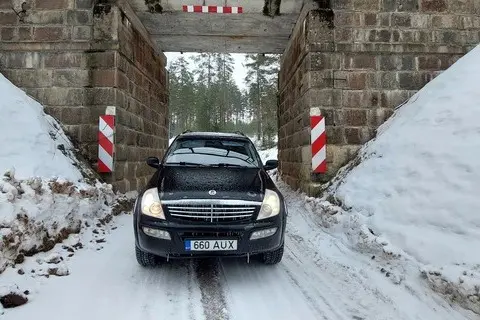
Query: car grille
{"x":213,"y":212}
{"x":211,"y":235}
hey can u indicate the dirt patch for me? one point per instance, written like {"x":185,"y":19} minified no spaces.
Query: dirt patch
{"x":122,"y":205}
{"x":453,"y":291}
{"x":12,"y":300}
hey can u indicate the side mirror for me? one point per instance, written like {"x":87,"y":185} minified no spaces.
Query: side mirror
{"x":271,"y":164}
{"x":153,"y":162}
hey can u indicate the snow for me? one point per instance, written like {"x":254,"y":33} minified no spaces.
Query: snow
{"x":320,"y":277}
{"x":417,"y":183}
{"x":268,"y":154}
{"x":26,"y":138}
{"x":43,"y":194}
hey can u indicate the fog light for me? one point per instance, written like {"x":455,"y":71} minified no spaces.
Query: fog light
{"x":263,"y":233}
{"x":160,"y":234}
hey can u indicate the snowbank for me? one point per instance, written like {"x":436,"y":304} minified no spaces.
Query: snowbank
{"x":43,"y":196}
{"x":32,"y":142}
{"x":268,"y":154}
{"x":417,"y":184}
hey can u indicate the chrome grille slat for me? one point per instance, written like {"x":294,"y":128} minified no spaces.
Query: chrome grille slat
{"x":208,"y":217}
{"x":202,"y":212}
{"x":214,"y":211}
{"x":209,"y":207}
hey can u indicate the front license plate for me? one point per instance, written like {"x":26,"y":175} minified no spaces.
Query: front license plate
{"x":210,"y":245}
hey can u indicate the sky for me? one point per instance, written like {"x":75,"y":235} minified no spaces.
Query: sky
{"x":239,"y":71}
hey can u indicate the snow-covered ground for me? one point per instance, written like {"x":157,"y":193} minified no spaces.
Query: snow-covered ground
{"x":320,"y":277}
{"x":418,"y":183}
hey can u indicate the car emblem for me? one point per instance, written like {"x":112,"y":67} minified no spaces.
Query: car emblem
{"x":212,"y":192}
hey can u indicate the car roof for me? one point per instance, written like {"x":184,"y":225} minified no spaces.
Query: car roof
{"x":199,"y":134}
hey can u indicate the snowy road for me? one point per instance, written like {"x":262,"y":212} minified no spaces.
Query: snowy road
{"x":319,"y":278}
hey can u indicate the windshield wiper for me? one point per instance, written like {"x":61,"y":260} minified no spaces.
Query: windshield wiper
{"x":183,"y":163}
{"x":228,"y":165}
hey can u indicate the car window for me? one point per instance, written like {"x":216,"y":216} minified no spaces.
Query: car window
{"x":212,"y":152}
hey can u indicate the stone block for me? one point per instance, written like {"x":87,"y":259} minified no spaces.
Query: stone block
{"x":5,"y":4}
{"x":342,"y":4}
{"x":119,"y":169}
{"x":412,"y":80}
{"x":366,"y":5}
{"x":71,"y":78}
{"x":358,"y":136}
{"x":8,"y":18}
{"x":21,"y":60}
{"x":370,"y":19}
{"x":7,"y":34}
{"x":79,"y":17}
{"x":84,"y":4}
{"x":53,"y":4}
{"x":430,"y":62}
{"x":347,"y":19}
{"x":389,"y":5}
{"x":61,"y":96}
{"x":401,"y":20}
{"x":343,"y":35}
{"x":378,"y":116}
{"x":29,"y":78}
{"x":360,"y":99}
{"x":385,"y":80}
{"x":355,"y":117}
{"x":83,"y":33}
{"x":359,"y":61}
{"x":46,"y":34}
{"x":384,"y":19}
{"x":420,"y":21}
{"x":45,"y":17}
{"x":357,"y":80}
{"x":101,"y":59}
{"x":433,"y":5}
{"x":461,"y":6}
{"x":103,"y":77}
{"x":407,"y":5}
{"x":335,"y":135}
{"x":393,"y":98}
{"x":25,"y":33}
{"x":447,"y":22}
{"x":76,"y":115}
{"x":63,"y":60}
{"x":100,"y":96}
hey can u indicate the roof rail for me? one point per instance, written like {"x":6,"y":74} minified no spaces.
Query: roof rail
{"x":186,"y":131}
{"x":240,"y":133}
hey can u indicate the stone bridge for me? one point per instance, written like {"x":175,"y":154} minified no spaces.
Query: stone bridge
{"x":356,"y":60}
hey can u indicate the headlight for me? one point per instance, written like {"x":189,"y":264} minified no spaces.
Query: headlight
{"x":151,"y":205}
{"x":270,"y":206}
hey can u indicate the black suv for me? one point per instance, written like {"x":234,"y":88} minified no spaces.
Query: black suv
{"x":210,"y":196}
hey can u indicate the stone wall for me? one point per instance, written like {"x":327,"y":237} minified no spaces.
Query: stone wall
{"x":77,"y":57}
{"x":359,"y":59}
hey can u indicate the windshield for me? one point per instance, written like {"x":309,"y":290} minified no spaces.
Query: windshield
{"x":212,"y":152}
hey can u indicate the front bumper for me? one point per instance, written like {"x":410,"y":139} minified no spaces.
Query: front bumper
{"x":175,"y":248}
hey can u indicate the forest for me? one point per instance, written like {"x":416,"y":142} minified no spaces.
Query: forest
{"x":205,"y":97}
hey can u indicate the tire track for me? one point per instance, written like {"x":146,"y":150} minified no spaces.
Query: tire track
{"x":213,"y":300}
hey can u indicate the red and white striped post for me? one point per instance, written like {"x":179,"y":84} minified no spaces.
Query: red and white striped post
{"x":106,"y":141}
{"x":212,"y":9}
{"x":318,"y":141}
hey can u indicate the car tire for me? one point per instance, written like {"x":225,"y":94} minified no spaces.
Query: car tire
{"x":146,"y":259}
{"x":273,"y":257}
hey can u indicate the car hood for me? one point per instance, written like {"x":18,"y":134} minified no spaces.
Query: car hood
{"x":176,"y":183}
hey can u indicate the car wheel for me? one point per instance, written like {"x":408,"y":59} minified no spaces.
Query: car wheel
{"x":146,"y":259}
{"x":273,"y":257}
